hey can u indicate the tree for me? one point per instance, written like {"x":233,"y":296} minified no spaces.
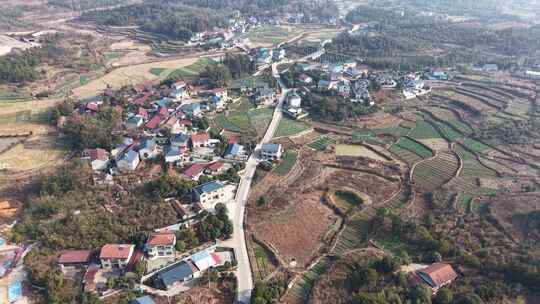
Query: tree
{"x":217,"y":74}
{"x":139,"y":268}
{"x":261,"y":201}
{"x":180,"y":246}
{"x":363,"y":277}
{"x":444,"y":296}
{"x":420,"y":295}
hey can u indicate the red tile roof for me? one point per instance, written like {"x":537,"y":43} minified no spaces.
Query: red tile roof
{"x":143,"y":112}
{"x":115,"y":251}
{"x":218,"y":90}
{"x":171,"y":121}
{"x":440,"y":273}
{"x":154,"y":122}
{"x":89,"y":277}
{"x":216,"y":258}
{"x":95,"y":154}
{"x":75,"y":256}
{"x":215,"y":166}
{"x":163,"y":111}
{"x":161,"y":239}
{"x":92,"y":106}
{"x":194,"y":170}
{"x":199,"y":137}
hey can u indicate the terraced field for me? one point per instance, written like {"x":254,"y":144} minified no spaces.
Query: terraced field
{"x":396,"y":131}
{"x":433,"y":173}
{"x":300,"y":291}
{"x":467,"y":181}
{"x":410,"y":150}
{"x":424,"y":130}
{"x":321,"y":143}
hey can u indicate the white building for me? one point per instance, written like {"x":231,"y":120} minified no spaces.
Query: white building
{"x":212,"y":193}
{"x":129,"y":161}
{"x":271,"y":151}
{"x":116,"y":255}
{"x":98,"y":158}
{"x":161,"y":245}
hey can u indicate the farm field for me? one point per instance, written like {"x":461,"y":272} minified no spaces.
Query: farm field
{"x":267,"y":36}
{"x":290,"y":127}
{"x":243,"y":118}
{"x":322,"y":143}
{"x":287,"y":162}
{"x":357,"y":151}
{"x":36,"y":153}
{"x":130,"y":75}
{"x":410,"y":150}
{"x":433,"y":173}
{"x":297,"y":230}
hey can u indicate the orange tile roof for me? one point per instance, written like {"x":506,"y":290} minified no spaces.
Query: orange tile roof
{"x":74,"y":256}
{"x":161,"y":239}
{"x":115,"y":251}
{"x":439,"y":273}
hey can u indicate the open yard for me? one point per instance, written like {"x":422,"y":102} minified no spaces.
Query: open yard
{"x":190,"y":72}
{"x":267,"y":36}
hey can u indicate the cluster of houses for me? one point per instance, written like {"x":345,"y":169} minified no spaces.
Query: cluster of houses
{"x":123,"y":257}
{"x":160,"y":124}
{"x":265,"y":56}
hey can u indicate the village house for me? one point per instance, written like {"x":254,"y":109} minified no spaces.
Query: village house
{"x":148,"y":149}
{"x":235,"y":151}
{"x":212,"y":193}
{"x":215,"y":168}
{"x":128,"y":161}
{"x":217,"y":103}
{"x":161,"y":245}
{"x":194,"y":172}
{"x":97,"y":158}
{"x":305,"y":79}
{"x":270,"y":151}
{"x":179,"y":94}
{"x":344,"y":88}
{"x":116,"y":256}
{"x":134,"y":122}
{"x":437,"y":275}
{"x":193,"y":109}
{"x":220,"y":92}
{"x":74,"y":258}
{"x":180,"y":140}
{"x":264,"y":96}
{"x":174,"y":155}
{"x":173,"y":276}
{"x":173,"y":125}
{"x":199,"y":140}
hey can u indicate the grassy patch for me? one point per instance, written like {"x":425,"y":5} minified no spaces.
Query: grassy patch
{"x":424,"y":130}
{"x":112,"y":55}
{"x":415,"y":147}
{"x":260,"y":119}
{"x":189,"y":73}
{"x":475,"y":145}
{"x":348,"y":198}
{"x":83,"y":79}
{"x":288,"y":161}
{"x":156,"y":71}
{"x":290,"y":127}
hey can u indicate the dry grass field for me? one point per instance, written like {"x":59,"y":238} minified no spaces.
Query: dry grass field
{"x":130,"y":75}
{"x":357,"y":151}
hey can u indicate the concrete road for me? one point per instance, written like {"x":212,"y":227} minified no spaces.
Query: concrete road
{"x":238,"y":241}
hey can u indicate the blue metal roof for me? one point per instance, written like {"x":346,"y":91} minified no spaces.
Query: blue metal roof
{"x":200,"y":256}
{"x":208,"y":187}
{"x":149,"y":143}
{"x":172,"y":151}
{"x":178,"y":273}
{"x":180,"y":138}
{"x":143,"y":300}
{"x":274,"y":148}
{"x":14,"y":291}
{"x":130,"y":155}
{"x":232,"y":149}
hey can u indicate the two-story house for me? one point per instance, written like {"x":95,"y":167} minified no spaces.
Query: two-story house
{"x":161,"y":245}
{"x":116,"y":255}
